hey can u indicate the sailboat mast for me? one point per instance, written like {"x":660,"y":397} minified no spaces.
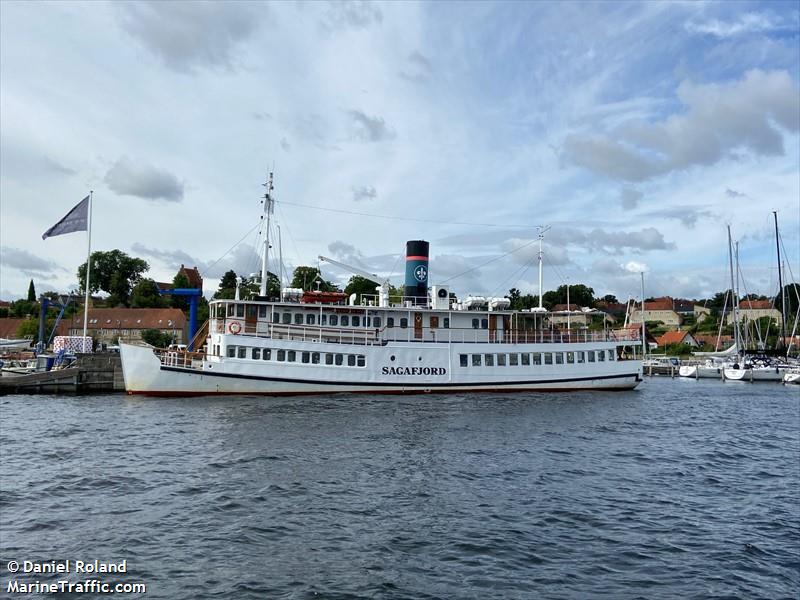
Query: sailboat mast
{"x":780,"y":281}
{"x":734,"y":299}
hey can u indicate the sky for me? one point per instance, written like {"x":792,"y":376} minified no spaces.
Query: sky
{"x":636,"y":131}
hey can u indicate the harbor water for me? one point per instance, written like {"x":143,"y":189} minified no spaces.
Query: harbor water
{"x":680,"y":489}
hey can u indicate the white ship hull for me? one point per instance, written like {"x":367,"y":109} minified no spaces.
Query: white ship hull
{"x":389,"y":369}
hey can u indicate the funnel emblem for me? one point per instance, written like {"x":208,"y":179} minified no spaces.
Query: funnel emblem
{"x":421,"y":273}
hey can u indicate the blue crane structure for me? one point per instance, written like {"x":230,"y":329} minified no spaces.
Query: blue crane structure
{"x":194,"y":298}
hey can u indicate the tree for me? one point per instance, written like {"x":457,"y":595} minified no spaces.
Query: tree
{"x":180,"y":281}
{"x":156,"y":338}
{"x":227,"y":285}
{"x":145,"y":295}
{"x":31,"y":292}
{"x":610,"y":299}
{"x":115,"y":273}
{"x":578,"y":294}
{"x":23,"y":308}
{"x":792,"y":293}
{"x":308,"y":277}
{"x":361,"y":286}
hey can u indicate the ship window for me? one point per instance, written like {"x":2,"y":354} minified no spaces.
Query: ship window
{"x":356,"y":321}
{"x":287,"y":318}
{"x":590,"y":355}
{"x":389,"y":321}
{"x":281,"y":355}
{"x":475,"y":323}
{"x":537,"y":358}
{"x":559,"y":358}
{"x":298,"y":319}
{"x":306,"y":357}
{"x":252,"y":311}
{"x":291,"y":356}
{"x":310,"y":319}
{"x":548,"y":358}
{"x":231,"y":351}
{"x":513,"y":359}
{"x":256,"y":353}
{"x":526,"y":359}
{"x":462,"y":360}
{"x":489,"y":360}
{"x":484,"y":323}
{"x":262,"y":312}
{"x":403,"y":323}
{"x":612,"y":355}
{"x":328,"y":359}
{"x":446,"y":324}
{"x":570,"y":357}
{"x":601,"y":355}
{"x":351,"y":360}
{"x":339,"y":359}
{"x":230,"y":310}
{"x":323,"y":319}
{"x":242,"y":352}
{"x":267,"y":354}
{"x":240,"y":310}
{"x":315,"y":358}
{"x":345,"y":321}
{"x":501,"y":360}
{"x":334,"y":320}
{"x":362,"y":360}
{"x":376,"y":322}
{"x":276,"y":317}
{"x":580,"y":356}
{"x":476,"y":360}
{"x":434,"y":322}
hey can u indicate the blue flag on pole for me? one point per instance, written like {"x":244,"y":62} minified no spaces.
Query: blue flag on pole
{"x":75,"y":220}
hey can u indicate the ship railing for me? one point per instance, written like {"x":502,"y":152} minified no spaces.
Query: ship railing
{"x":180,"y":358}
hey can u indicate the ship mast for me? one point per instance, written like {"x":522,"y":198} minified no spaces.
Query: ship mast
{"x":542,"y":230}
{"x":269,"y":207}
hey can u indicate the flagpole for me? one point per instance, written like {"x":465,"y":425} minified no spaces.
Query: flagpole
{"x":88,"y":269}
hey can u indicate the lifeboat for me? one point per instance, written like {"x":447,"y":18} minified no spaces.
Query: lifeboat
{"x":318,"y":297}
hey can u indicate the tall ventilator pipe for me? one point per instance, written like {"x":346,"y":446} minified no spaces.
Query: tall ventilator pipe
{"x":417,"y":271}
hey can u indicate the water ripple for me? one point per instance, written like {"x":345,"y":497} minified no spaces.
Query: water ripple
{"x":678,"y":490}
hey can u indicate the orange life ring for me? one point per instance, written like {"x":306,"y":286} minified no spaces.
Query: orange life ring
{"x":235,"y":327}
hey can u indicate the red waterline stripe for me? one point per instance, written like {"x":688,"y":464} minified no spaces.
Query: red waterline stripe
{"x":416,"y":258}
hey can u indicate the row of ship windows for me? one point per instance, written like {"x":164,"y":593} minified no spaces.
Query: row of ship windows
{"x":352,"y":320}
{"x":314,"y":358}
{"x":535,"y":358}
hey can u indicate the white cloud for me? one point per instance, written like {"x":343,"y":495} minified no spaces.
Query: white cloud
{"x":747,"y":23}
{"x":191,"y":34}
{"x":144,"y":181}
{"x":720,"y":120}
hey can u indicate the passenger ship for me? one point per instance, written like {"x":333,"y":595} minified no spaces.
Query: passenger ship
{"x":428,"y":341}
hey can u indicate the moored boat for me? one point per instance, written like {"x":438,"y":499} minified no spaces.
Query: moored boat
{"x":426,"y":341}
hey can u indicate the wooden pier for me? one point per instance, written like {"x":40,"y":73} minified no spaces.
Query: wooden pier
{"x":92,"y":373}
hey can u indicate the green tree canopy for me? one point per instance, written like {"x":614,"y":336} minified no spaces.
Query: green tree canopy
{"x":792,"y":293}
{"x":227,"y":285}
{"x":145,"y":295}
{"x":180,"y":281}
{"x":308,"y":277}
{"x":156,"y":338}
{"x":115,"y":273}
{"x":610,"y":298}
{"x":579,"y":294}
{"x":31,"y":292}
{"x":361,"y":285}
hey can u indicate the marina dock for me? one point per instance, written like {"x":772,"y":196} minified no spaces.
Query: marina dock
{"x":92,"y":373}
